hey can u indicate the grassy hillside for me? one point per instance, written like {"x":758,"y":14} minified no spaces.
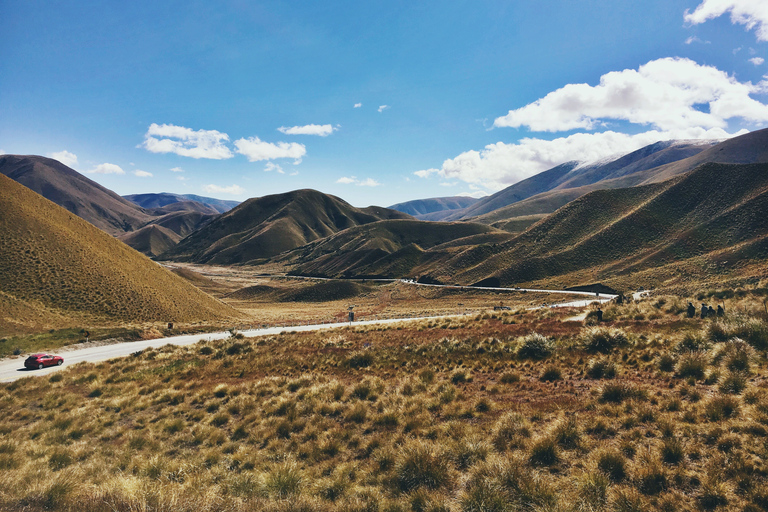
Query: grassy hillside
{"x":159,"y":200}
{"x":267,"y":226}
{"x":52,"y":259}
{"x":435,"y":204}
{"x":151,"y":240}
{"x":78,"y":194}
{"x":641,"y":167}
{"x":612,"y":231}
{"x":385,"y":249}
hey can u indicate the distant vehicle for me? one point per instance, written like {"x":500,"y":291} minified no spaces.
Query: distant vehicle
{"x":40,"y":361}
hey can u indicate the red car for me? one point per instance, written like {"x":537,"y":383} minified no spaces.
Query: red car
{"x":40,"y":361}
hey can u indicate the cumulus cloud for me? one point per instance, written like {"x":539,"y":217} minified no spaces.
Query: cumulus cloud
{"x":352,"y":180}
{"x":358,"y":105}
{"x":273,"y":167}
{"x":757,"y":61}
{"x":168,"y":138}
{"x":255,"y":150}
{"x":382,"y":108}
{"x":107,"y":169}
{"x":234,"y":190}
{"x":665,"y":93}
{"x":177,"y":169}
{"x":322,"y":130}
{"x":182,"y":178}
{"x":65,"y":157}
{"x":142,"y":174}
{"x":500,"y":165}
{"x":751,"y":13}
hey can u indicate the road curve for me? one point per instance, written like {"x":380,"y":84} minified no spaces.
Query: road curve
{"x":13,"y":369}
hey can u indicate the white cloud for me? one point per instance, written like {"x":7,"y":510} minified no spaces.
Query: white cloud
{"x":294,"y":173}
{"x":352,"y":180}
{"x":234,"y":190}
{"x":65,"y":157}
{"x":477,"y":194}
{"x":751,"y":13}
{"x":358,"y":105}
{"x":273,"y":167}
{"x":107,"y":169}
{"x":142,"y":174}
{"x":448,"y":184}
{"x":757,"y":61}
{"x":177,"y":169}
{"x":2,"y":151}
{"x":256,"y":149}
{"x":666,"y":93}
{"x":382,"y":108}
{"x":168,"y":138}
{"x":182,"y":178}
{"x":695,"y":39}
{"x":500,"y":165}
{"x":311,"y":129}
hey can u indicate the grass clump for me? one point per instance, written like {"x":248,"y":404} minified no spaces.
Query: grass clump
{"x":421,"y":464}
{"x":602,"y":339}
{"x":601,"y":369}
{"x":692,"y":364}
{"x":535,"y":346}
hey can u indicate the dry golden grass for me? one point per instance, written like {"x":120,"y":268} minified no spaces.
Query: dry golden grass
{"x":56,"y":266}
{"x":432,"y":415}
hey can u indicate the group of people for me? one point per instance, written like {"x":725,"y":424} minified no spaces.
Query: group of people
{"x":706,"y":311}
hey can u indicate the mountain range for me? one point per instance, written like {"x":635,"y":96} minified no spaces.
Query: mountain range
{"x":552,"y":224}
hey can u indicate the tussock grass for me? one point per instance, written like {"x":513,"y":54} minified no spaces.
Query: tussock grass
{"x":438,"y":419}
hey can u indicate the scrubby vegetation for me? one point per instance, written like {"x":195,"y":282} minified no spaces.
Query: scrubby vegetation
{"x":473,"y":414}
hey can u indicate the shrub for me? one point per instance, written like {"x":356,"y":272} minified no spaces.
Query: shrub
{"x":667,"y":362}
{"x":59,"y":460}
{"x":509,"y":377}
{"x":459,"y":376}
{"x":360,"y":360}
{"x":567,"y":433}
{"x":672,"y":450}
{"x":510,"y":431}
{"x":736,"y":354}
{"x":714,"y":493}
{"x":421,"y":465}
{"x":468,"y":452}
{"x":734,"y":383}
{"x":613,"y":464}
{"x":721,"y":407}
{"x":617,"y":392}
{"x":692,"y":364}
{"x":284,"y":481}
{"x":535,"y":346}
{"x":602,"y":339}
{"x":692,"y":342}
{"x":601,"y":369}
{"x":652,"y":479}
{"x":544,"y":452}
{"x":551,"y":373}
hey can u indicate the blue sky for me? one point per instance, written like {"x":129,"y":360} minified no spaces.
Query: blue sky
{"x":376,"y":102}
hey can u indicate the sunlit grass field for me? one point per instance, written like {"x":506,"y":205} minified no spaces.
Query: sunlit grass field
{"x":501,"y":411}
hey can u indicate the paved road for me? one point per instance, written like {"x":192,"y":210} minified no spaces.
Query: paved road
{"x":13,"y":369}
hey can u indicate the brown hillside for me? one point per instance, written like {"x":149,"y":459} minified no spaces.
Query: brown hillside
{"x":383,"y":249}
{"x":78,"y":194}
{"x":749,"y":148}
{"x":710,"y":209}
{"x":53,"y":258}
{"x":151,"y":240}
{"x":266,"y":226}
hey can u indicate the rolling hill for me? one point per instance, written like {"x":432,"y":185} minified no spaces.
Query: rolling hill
{"x":749,"y":148}
{"x":62,"y":267}
{"x":162,"y":199}
{"x":73,"y":191}
{"x":716,"y":208}
{"x":388,"y":249}
{"x":571,"y":175}
{"x":437,"y":204}
{"x":266,"y":226}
